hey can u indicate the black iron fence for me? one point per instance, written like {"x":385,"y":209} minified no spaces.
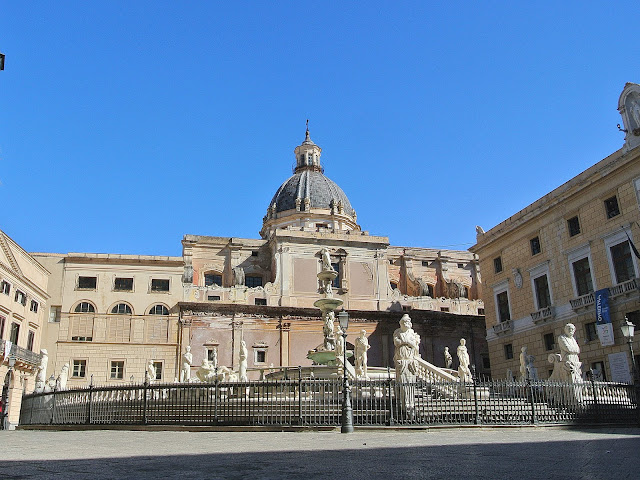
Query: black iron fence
{"x":317,"y":402}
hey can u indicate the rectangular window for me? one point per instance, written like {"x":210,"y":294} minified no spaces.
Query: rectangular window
{"x":123,"y":284}
{"x":425,"y":263}
{"x":79,"y":368}
{"x":2,"y":322}
{"x":574,"y":226}
{"x":158,"y":367}
{"x":549,"y":341}
{"x":336,"y":281}
{"x":21,"y":297}
{"x":255,"y":252}
{"x":599,"y":375}
{"x":5,"y":287}
{"x":461,"y":265}
{"x":590,"y":331}
{"x":212,"y":279}
{"x":87,"y":283}
{"x":213,"y":297}
{"x":543,"y":298}
{"x":502,"y":300}
{"x":260,"y":356}
{"x":611,"y":207}
{"x":15,"y":333}
{"x":260,"y":301}
{"x":508,"y":351}
{"x":497,"y":264}
{"x":117,"y":370}
{"x":34,"y":306}
{"x":582,"y":276}
{"x":622,"y":262}
{"x":252,"y":281}
{"x":159,"y":285}
{"x":480,"y":311}
{"x":30,"y":338}
{"x":211,"y":355}
{"x":55,"y":313}
{"x":486,"y":363}
{"x":535,"y":245}
{"x":444,"y":309}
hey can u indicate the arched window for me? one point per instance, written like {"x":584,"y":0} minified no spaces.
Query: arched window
{"x":85,"y":307}
{"x":121,"y":309}
{"x":159,"y":310}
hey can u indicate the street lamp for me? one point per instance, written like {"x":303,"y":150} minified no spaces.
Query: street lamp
{"x":347,"y":411}
{"x":628,"y":331}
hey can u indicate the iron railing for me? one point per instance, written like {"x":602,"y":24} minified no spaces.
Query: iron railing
{"x":317,"y":402}
{"x":22,"y":355}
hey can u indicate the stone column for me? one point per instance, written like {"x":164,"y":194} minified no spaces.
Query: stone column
{"x":285,"y":329}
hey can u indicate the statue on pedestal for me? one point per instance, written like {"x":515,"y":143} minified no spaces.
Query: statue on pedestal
{"x":41,"y":376}
{"x":187,"y":361}
{"x":532,"y":371}
{"x":326,"y":260}
{"x":448,"y":360}
{"x":238,"y":276}
{"x":523,"y":363}
{"x":407,"y":343}
{"x":327,"y":329}
{"x":567,"y":365}
{"x":464,"y":372}
{"x":242,"y":371}
{"x":339,"y":343}
{"x":61,"y":381}
{"x":361,"y":347}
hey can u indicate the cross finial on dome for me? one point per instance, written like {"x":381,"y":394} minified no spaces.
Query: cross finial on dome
{"x":307,"y":138}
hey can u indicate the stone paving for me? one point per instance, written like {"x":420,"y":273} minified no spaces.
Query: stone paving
{"x":482,"y":453}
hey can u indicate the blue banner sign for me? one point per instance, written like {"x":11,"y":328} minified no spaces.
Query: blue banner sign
{"x":603,"y":318}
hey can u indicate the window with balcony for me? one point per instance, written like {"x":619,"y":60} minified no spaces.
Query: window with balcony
{"x":543,"y":296}
{"x":123,"y":284}
{"x":622,"y":260}
{"x":502,"y":306}
{"x":159,"y":284}
{"x":582,"y":276}
{"x":79,"y":369}
{"x":87,"y":283}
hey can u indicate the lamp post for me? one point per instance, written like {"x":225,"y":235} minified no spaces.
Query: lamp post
{"x":628,"y":331}
{"x":347,"y":411}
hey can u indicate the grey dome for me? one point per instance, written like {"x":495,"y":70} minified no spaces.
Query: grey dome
{"x":313,"y":185}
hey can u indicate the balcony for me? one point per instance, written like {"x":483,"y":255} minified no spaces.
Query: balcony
{"x":543,"y":315}
{"x":503,"y":327}
{"x":24,"y":358}
{"x":624,"y":288}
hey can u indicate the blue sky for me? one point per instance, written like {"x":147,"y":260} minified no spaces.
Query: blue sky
{"x":125,"y":125}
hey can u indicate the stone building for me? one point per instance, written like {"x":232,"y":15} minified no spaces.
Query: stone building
{"x":23,"y":294}
{"x":110,"y":315}
{"x":550,"y":263}
{"x":262,"y":291}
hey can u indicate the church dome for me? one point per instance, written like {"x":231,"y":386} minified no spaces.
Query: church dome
{"x":308,"y":199}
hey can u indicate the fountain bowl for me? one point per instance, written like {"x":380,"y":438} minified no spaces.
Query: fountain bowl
{"x":328,"y":304}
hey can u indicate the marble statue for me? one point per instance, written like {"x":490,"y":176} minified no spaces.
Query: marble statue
{"x":361,"y":347}
{"x":479,"y":230}
{"x":326,"y":260}
{"x":50,"y":384}
{"x":327,"y":329}
{"x":61,"y":381}
{"x":151,"y":370}
{"x":532,"y":371}
{"x":523,"y":363}
{"x":206,"y":373}
{"x":242,"y":371}
{"x":635,"y":112}
{"x":214,"y":357}
{"x":464,"y":373}
{"x":567,"y":364}
{"x":407,"y":344}
{"x":238,"y":276}
{"x":510,"y":375}
{"x":41,"y":376}
{"x":187,"y":361}
{"x":448,"y":360}
{"x":339,"y":343}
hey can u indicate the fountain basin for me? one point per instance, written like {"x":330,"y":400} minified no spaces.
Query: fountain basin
{"x":325,"y":357}
{"x":328,"y":304}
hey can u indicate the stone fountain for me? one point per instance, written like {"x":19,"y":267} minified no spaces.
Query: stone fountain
{"x":325,"y":354}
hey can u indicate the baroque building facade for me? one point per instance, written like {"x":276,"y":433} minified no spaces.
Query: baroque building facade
{"x":111,"y":315}
{"x":569,"y":258}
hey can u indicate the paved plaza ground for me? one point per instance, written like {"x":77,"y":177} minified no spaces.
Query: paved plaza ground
{"x":483,"y":453}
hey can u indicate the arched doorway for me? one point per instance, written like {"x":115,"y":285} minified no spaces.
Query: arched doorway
{"x":4,"y":400}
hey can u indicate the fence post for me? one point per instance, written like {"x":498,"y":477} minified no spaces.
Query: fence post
{"x":144,"y":398}
{"x":215,"y":399}
{"x":531,"y":397}
{"x":595,"y":395}
{"x":53,"y":409}
{"x":391,"y":421}
{"x":299,"y":394}
{"x":476,"y":419}
{"x":89,"y":406}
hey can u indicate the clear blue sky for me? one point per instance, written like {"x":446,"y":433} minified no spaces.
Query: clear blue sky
{"x":125,"y":125}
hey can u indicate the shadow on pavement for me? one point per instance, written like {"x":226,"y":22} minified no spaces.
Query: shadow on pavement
{"x":591,"y":459}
